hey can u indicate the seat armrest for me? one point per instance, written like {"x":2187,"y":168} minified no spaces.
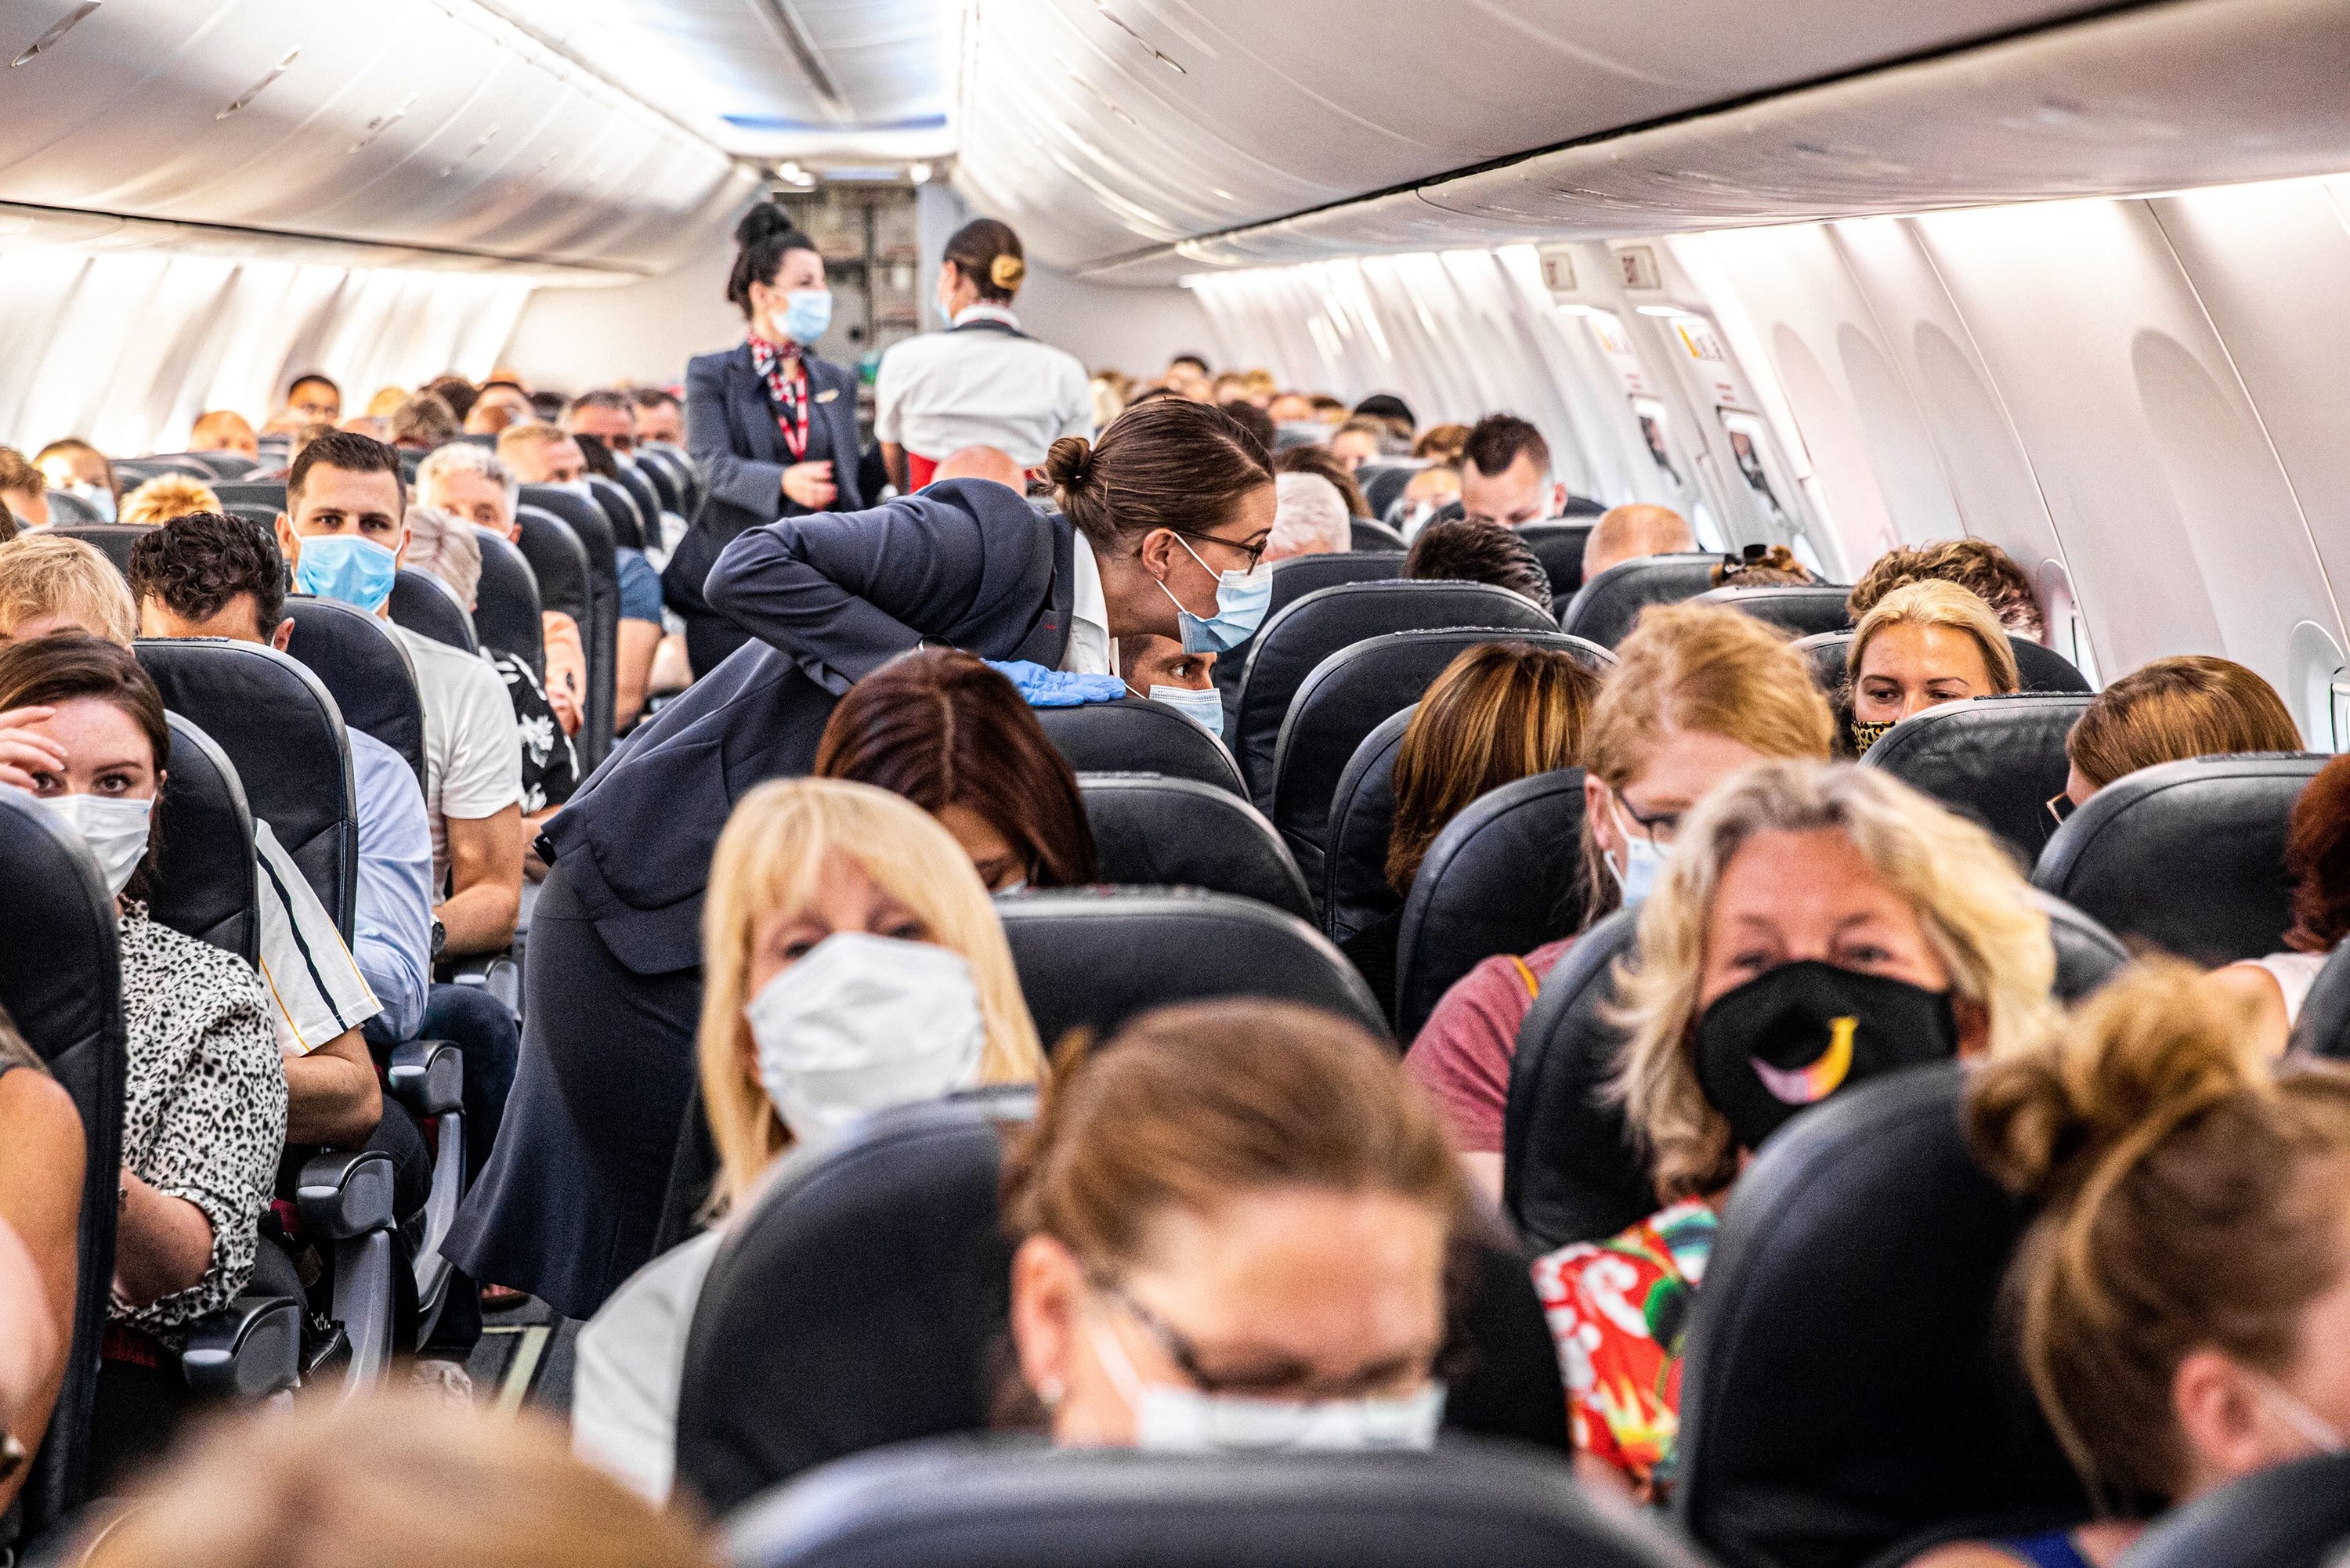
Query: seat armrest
{"x":428,"y":1076}
{"x":344,"y":1193}
{"x":498,"y":973}
{"x":248,"y":1350}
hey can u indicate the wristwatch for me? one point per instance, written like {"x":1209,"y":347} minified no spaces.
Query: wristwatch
{"x":440,"y":936}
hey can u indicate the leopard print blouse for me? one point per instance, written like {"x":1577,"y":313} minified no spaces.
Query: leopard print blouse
{"x":204,"y":1111}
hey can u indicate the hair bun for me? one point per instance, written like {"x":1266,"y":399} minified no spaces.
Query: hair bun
{"x":1070,"y":462}
{"x":764,"y":221}
{"x":1006,"y":271}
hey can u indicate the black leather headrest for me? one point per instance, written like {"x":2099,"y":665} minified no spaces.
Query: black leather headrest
{"x":68,"y":509}
{"x":269,"y":493}
{"x":1604,"y":609}
{"x":1093,"y":958}
{"x":1348,"y":695}
{"x":366,"y":669}
{"x":557,"y":560}
{"x":1354,"y":891}
{"x":1368,"y":537}
{"x":648,"y":504}
{"x":1803,"y":610}
{"x":587,"y":522}
{"x":1558,"y":546}
{"x":2186,"y":857}
{"x":202,"y":882}
{"x":1846,"y":1385}
{"x":1296,"y":639}
{"x":2037,"y":669}
{"x":1505,"y":875}
{"x":619,"y":511}
{"x":2323,"y":1029}
{"x":2293,"y":1516}
{"x":1003,"y":1503}
{"x":1151,"y":831}
{"x":506,"y":606}
{"x":1140,"y":736}
{"x":664,"y":482}
{"x":112,"y":540}
{"x":1382,"y":482}
{"x":61,"y":984}
{"x":426,"y":606}
{"x":1996,"y":760}
{"x":600,"y":627}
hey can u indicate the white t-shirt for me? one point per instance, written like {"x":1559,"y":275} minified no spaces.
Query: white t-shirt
{"x":939,"y":392}
{"x":2295,"y":973}
{"x":472,"y":749}
{"x":629,"y":1367}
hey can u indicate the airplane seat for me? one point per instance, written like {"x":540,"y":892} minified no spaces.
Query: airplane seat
{"x":619,"y":510}
{"x":1847,"y":1385}
{"x":677,"y":464}
{"x":1997,"y":760}
{"x":364,"y":669}
{"x":1368,"y":535}
{"x":262,"y":516}
{"x":409,"y":462}
{"x":863,"y":1301}
{"x":1091,"y":958}
{"x":1506,"y":875}
{"x":1558,"y":546}
{"x":667,"y":490}
{"x":1353,"y":892}
{"x":1604,"y":609}
{"x":133,"y":471}
{"x":597,"y":608}
{"x":112,"y":540}
{"x":1151,"y":831}
{"x":2187,"y":856}
{"x":269,"y":493}
{"x":2037,"y":669}
{"x":1291,"y":581}
{"x":427,"y":607}
{"x":1002,"y":1502}
{"x":506,"y":605}
{"x":1804,"y":610}
{"x":1346,"y":696}
{"x":1136,"y":735}
{"x":204,"y":882}
{"x":1571,"y":1170}
{"x":1382,"y":481}
{"x":227,"y":466}
{"x":648,"y":506}
{"x":2294,"y":1515}
{"x":2323,"y":1027}
{"x":67,"y":508}
{"x":61,"y":983}
{"x":1295,"y":640}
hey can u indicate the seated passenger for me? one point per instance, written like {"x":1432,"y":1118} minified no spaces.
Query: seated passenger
{"x":952,"y":735}
{"x":1800,"y":895}
{"x":609,"y":416}
{"x":1158,"y":668}
{"x":79,"y":469}
{"x":501,"y":406}
{"x":660,"y":418}
{"x":2317,"y":857}
{"x":454,"y":390}
{"x":1924,"y":645}
{"x":1697,"y":691}
{"x":223,"y":431}
{"x":1318,"y":460}
{"x":41,"y":1154}
{"x":2186,"y":1297}
{"x":1426,"y":493}
{"x":1977,"y":566}
{"x":1442,"y":444}
{"x":1252,"y":418}
{"x":1357,"y":442}
{"x":1762,"y":566}
{"x":313,"y":400}
{"x":2168,"y":711}
{"x":1505,"y":475}
{"x":166,"y":496}
{"x":24,"y":490}
{"x":1499,"y":713}
{"x":422,"y":422}
{"x":204,"y":1094}
{"x":49,"y":584}
{"x":1286,"y":409}
{"x":979,"y":462}
{"x":1393,"y":416}
{"x":1630,"y":532}
{"x":1309,"y":519}
{"x":852,"y":962}
{"x":1235,"y":1219}
{"x":1461,"y":550}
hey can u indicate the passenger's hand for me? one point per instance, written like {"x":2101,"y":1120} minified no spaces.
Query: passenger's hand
{"x":1043,"y":688}
{"x":565,"y":710}
{"x":810,"y":484}
{"x":24,"y":750}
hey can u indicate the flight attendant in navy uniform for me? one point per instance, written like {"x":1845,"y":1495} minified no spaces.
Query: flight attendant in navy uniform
{"x":772,"y":427}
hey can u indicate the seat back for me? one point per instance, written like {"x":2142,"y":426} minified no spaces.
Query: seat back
{"x":202,"y":886}
{"x":112,"y":540}
{"x":1076,"y":952}
{"x":557,"y":562}
{"x":599,"y":631}
{"x":427,"y":607}
{"x":61,"y":983}
{"x":66,"y":508}
{"x":269,"y":493}
{"x":1846,"y":1385}
{"x":260,"y":516}
{"x":667,"y":489}
{"x":1355,"y":895}
{"x":2323,"y":1027}
{"x":1367,"y":537}
{"x":2037,"y":669}
{"x":619,"y":511}
{"x":506,"y":605}
{"x":648,"y":504}
{"x":1506,"y":875}
{"x":1136,"y":735}
{"x":1293,"y":641}
{"x":366,"y":670}
{"x":1382,"y":482}
{"x":227,"y":465}
{"x":283,"y":733}
{"x":1604,"y":609}
{"x":2186,"y":857}
{"x":1005,"y":1503}
{"x":2292,"y":1516}
{"x":1558,"y":546}
{"x":1347,"y":695}
{"x":1291,"y":581}
{"x":1803,"y":610}
{"x":1997,"y":760}
{"x":1151,"y":831}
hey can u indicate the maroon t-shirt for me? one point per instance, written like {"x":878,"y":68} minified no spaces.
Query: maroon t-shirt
{"x":1462,"y":1055}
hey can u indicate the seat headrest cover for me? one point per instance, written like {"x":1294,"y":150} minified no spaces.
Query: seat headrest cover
{"x":1996,"y":760}
{"x":1804,"y":610}
{"x":1151,"y":831}
{"x":1008,"y":1504}
{"x":363,"y":666}
{"x":1134,"y":734}
{"x":2292,"y":1516}
{"x":2187,"y":855}
{"x":203,"y":873}
{"x":1604,"y":609}
{"x":1846,"y":1386}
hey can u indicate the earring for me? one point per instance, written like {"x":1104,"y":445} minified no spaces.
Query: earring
{"x":1050,"y":1392}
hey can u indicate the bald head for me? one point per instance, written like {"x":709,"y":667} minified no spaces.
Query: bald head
{"x":1627,"y":533}
{"x":979,"y":462}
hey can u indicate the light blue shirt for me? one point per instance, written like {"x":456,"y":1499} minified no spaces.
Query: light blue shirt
{"x":394,"y":928}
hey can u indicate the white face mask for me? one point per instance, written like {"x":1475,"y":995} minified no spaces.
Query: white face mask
{"x":96,"y":494}
{"x":861,"y":1024}
{"x":114,"y":829}
{"x":1172,"y":1420}
{"x":1644,"y":860}
{"x":1205,"y":709}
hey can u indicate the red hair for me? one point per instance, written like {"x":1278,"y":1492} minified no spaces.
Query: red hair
{"x":2317,"y":854}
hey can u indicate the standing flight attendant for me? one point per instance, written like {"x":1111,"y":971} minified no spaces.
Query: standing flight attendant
{"x":1159,"y":531}
{"x":772,"y":427}
{"x":982,"y":382}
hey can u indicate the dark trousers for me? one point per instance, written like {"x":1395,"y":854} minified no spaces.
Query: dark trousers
{"x":478,"y":1024}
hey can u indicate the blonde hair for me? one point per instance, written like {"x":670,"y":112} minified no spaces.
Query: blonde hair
{"x":446,"y":547}
{"x":49,"y":573}
{"x":1976,"y":908}
{"x":513,"y":438}
{"x":1933,"y":602}
{"x":771,"y":857}
{"x":166,"y":496}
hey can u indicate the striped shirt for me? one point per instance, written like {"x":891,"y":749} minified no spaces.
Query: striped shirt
{"x":313,"y":981}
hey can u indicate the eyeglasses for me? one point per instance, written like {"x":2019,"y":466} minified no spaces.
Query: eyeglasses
{"x":1662,"y":828}
{"x":2060,"y":806}
{"x":1255,"y":552}
{"x":1287,"y":1382}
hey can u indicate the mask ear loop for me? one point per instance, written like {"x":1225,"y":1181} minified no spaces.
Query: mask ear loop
{"x":1118,"y":1363}
{"x":2307,"y":1423}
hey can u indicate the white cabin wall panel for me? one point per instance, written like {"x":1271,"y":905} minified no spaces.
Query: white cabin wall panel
{"x":1137,"y":330}
{"x":35,"y":287}
{"x":571,"y":340}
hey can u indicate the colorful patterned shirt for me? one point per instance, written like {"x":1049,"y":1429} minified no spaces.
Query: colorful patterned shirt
{"x":1619,"y":1310}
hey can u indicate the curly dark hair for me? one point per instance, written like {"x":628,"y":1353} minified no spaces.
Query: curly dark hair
{"x":1467,"y":549}
{"x":196,"y":565}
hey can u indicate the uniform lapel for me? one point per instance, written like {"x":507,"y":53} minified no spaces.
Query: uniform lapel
{"x":748,"y":397}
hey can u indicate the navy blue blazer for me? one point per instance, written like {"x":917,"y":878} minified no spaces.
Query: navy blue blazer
{"x":730,"y":428}
{"x":830,"y":597}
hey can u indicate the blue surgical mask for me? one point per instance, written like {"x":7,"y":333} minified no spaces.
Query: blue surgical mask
{"x":344,"y":567}
{"x":98,"y":495}
{"x":1172,"y":1420}
{"x":807,"y":313}
{"x":1205,"y":709}
{"x":1644,"y":862}
{"x":1242,"y":599}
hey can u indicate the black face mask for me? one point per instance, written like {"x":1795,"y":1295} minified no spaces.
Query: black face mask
{"x":1790,"y":1038}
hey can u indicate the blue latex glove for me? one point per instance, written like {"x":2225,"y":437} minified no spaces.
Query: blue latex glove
{"x":1043,"y":688}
